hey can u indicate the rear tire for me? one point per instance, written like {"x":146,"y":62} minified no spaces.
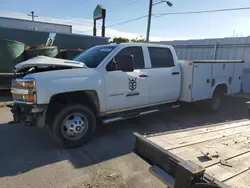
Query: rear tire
{"x":215,"y":103}
{"x":73,"y":125}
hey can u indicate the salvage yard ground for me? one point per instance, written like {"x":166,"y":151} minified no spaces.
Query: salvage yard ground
{"x":30,"y":158}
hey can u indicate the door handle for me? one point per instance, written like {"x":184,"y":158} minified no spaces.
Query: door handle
{"x":143,"y":76}
{"x":175,"y":73}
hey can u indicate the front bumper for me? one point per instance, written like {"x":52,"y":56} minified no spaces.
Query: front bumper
{"x":29,"y":115}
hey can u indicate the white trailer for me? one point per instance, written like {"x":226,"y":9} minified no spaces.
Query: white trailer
{"x":214,"y":156}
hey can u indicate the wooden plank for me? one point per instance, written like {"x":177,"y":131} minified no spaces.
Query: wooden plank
{"x":226,"y":147}
{"x":238,"y":165}
{"x":173,"y":135}
{"x":200,"y":138}
{"x":229,"y":141}
{"x":240,"y":181}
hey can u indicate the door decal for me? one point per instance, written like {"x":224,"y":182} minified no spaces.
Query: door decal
{"x":132,"y":84}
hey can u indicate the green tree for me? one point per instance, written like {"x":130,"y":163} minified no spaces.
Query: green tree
{"x":122,"y":40}
{"x":138,"y":39}
{"x":119,"y":40}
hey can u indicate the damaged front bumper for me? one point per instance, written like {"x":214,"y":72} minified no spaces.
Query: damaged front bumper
{"x":29,"y":115}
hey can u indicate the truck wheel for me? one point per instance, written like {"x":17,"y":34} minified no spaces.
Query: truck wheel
{"x":216,"y":102}
{"x":73,"y":125}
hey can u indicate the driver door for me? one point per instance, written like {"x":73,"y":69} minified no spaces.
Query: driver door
{"x":127,"y":90}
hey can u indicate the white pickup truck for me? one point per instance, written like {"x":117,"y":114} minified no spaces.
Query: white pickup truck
{"x":114,"y":82}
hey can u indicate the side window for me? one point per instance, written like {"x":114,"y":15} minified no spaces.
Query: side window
{"x":160,"y":57}
{"x":138,"y":56}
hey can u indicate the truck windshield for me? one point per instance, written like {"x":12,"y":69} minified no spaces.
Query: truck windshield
{"x":94,"y":56}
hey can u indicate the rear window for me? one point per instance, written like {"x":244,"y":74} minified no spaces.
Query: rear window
{"x":160,"y":57}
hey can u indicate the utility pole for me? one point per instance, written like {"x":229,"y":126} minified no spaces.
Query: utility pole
{"x":149,"y":19}
{"x":151,"y":4}
{"x":33,"y":16}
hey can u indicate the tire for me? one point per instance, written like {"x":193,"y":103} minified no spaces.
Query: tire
{"x":73,"y":125}
{"x":215,"y":104}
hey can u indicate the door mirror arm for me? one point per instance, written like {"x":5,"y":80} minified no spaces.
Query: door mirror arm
{"x":112,"y":65}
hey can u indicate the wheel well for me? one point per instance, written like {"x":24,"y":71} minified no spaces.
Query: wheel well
{"x":89,"y":98}
{"x":221,"y":88}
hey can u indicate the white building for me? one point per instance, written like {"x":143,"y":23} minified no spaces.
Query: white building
{"x":34,"y":25}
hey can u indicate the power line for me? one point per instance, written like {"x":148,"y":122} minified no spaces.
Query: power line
{"x":200,"y":12}
{"x":121,"y":23}
{"x":176,"y":13}
{"x":121,"y":6}
{"x":131,"y":20}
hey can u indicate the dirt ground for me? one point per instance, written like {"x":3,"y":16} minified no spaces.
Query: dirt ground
{"x":30,"y":158}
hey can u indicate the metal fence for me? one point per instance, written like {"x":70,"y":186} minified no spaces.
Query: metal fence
{"x":216,"y":49}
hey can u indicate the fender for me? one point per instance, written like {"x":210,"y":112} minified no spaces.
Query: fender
{"x":218,"y":84}
{"x":51,"y":83}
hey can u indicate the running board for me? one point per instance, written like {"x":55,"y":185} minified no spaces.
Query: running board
{"x":127,"y":116}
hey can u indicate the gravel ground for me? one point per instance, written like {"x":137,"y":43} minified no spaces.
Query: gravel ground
{"x":30,"y":158}
{"x":5,"y":100}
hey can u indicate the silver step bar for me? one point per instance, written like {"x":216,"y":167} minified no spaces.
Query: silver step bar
{"x":113,"y":119}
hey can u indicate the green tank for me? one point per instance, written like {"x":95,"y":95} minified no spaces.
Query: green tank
{"x":50,"y":51}
{"x":11,"y":53}
{"x":69,"y":54}
{"x":72,"y":53}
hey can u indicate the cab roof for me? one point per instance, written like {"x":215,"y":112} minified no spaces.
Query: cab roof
{"x":140,"y":44}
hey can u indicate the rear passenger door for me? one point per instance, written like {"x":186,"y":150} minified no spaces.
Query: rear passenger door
{"x":165,"y":78}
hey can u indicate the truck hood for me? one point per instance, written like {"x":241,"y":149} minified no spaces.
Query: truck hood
{"x":43,"y":61}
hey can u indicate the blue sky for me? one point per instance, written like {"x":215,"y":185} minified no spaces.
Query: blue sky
{"x":172,"y":27}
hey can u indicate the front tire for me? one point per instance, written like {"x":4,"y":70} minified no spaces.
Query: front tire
{"x":73,"y":125}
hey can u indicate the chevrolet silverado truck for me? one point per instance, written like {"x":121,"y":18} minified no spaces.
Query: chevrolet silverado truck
{"x":114,"y":82}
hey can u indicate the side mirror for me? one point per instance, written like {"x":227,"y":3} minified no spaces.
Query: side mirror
{"x":125,"y":63}
{"x":111,"y":66}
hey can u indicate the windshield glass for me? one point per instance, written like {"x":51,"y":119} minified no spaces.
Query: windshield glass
{"x":94,"y":56}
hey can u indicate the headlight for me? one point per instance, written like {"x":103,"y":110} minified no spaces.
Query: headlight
{"x":24,"y":90}
{"x":27,"y":84}
{"x":24,"y":83}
